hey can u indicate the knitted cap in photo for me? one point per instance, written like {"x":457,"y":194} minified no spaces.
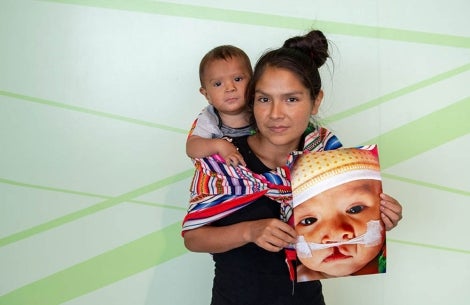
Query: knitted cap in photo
{"x":316,"y":172}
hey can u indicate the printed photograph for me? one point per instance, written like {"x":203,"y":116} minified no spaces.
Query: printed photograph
{"x":336,"y":203}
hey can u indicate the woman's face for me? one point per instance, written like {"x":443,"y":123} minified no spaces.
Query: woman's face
{"x":337,"y":215}
{"x":282,"y":107}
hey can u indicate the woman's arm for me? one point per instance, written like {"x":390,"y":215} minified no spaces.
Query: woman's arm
{"x":270,"y":234}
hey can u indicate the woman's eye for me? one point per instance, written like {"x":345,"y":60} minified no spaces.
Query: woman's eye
{"x":262,"y":99}
{"x":308,"y":221}
{"x":292,"y":99}
{"x":355,"y":209}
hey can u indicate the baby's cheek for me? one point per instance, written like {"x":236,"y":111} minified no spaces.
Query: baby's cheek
{"x":311,"y":263}
{"x":366,"y":254}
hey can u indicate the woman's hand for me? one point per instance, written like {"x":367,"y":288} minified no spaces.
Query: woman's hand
{"x":270,"y":234}
{"x":391,"y":211}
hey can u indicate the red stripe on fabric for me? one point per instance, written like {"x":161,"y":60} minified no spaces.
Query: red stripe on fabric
{"x":222,"y":207}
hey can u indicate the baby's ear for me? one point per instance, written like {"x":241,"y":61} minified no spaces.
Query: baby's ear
{"x":203,"y":91}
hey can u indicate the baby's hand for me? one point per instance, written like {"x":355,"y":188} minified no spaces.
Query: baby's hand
{"x":234,"y":158}
{"x":230,"y":153}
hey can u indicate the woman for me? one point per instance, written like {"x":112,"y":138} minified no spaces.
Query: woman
{"x":247,"y":241}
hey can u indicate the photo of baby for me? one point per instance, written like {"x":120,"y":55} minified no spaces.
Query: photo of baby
{"x":336,"y":213}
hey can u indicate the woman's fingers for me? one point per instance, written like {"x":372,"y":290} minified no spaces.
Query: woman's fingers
{"x":391,"y":211}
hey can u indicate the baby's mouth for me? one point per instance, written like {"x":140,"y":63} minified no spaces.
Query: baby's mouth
{"x":372,"y":237}
{"x":231,"y":99}
{"x":336,"y":255}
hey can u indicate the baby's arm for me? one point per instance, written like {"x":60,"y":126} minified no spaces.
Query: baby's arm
{"x":199,"y":147}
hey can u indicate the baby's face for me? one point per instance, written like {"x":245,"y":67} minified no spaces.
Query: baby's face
{"x":337,"y":215}
{"x":225,"y":83}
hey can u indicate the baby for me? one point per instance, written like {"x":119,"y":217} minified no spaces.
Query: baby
{"x":224,"y":73}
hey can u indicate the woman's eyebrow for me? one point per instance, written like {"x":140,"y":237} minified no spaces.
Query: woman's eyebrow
{"x":283,"y":94}
{"x":293,"y":93}
{"x":260,"y":92}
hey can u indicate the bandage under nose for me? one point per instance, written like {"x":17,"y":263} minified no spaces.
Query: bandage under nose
{"x":372,"y":237}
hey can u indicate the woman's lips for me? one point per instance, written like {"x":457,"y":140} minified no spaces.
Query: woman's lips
{"x":278,"y":129}
{"x":336,"y":255}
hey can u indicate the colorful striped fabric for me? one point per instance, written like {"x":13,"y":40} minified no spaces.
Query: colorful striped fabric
{"x":218,"y":190}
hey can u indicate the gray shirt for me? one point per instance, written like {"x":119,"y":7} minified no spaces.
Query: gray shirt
{"x":209,"y":126}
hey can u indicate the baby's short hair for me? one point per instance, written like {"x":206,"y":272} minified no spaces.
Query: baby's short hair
{"x":223,"y":52}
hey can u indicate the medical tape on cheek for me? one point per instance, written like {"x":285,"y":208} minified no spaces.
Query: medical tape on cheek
{"x":372,"y":237}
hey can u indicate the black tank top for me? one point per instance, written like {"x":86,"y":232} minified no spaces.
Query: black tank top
{"x":249,"y":274}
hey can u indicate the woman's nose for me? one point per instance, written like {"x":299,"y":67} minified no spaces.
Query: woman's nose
{"x":276,"y":110}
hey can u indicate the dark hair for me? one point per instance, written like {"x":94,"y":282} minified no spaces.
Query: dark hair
{"x":302,"y":55}
{"x":223,"y":52}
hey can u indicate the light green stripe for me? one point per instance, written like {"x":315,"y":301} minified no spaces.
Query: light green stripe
{"x":86,"y":194}
{"x":160,"y":205}
{"x":420,"y":245}
{"x":427,"y":184}
{"x":95,"y":208}
{"x":102,"y":270}
{"x":419,"y":136}
{"x":398,"y":93}
{"x":277,"y":21}
{"x":51,"y":189}
{"x":91,"y":112}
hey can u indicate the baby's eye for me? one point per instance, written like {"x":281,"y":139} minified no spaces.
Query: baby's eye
{"x":238,"y":79}
{"x":308,"y":221}
{"x":217,"y":84}
{"x":355,"y":209}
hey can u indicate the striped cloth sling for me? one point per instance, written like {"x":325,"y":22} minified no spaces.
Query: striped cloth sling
{"x":218,"y":190}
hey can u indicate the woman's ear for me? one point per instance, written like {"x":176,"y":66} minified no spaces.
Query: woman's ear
{"x":317,"y":102}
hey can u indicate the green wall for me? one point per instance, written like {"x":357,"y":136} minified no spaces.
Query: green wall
{"x":96,"y":97}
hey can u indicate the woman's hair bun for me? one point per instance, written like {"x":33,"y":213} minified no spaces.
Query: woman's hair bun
{"x":314,"y":44}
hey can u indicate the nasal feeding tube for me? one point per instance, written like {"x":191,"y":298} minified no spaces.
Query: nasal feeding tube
{"x":372,"y":237}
